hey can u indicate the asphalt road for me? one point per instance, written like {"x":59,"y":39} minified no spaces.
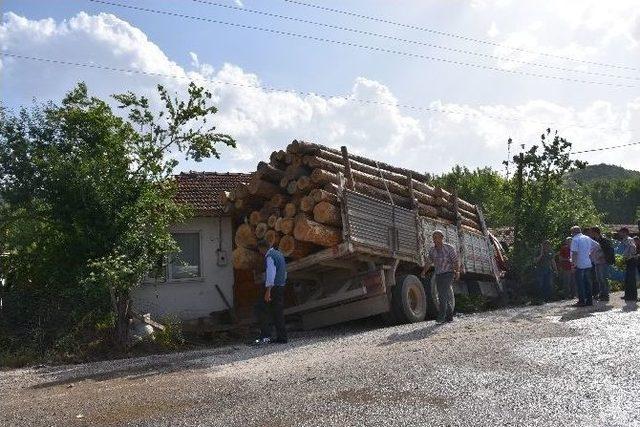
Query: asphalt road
{"x":546,"y":365}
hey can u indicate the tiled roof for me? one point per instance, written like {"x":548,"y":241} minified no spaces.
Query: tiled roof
{"x":201,"y":189}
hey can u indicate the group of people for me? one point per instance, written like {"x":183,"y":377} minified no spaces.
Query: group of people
{"x":442,"y":257}
{"x":584,"y":264}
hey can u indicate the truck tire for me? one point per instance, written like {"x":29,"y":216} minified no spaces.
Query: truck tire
{"x":409,"y":302}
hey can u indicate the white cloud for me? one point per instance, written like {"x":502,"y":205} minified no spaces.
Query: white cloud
{"x":579,"y":29}
{"x":238,"y":3}
{"x":262,"y":120}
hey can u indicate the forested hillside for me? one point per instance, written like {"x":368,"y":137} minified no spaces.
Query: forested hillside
{"x":601,"y":172}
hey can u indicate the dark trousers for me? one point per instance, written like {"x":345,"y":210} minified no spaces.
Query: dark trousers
{"x":630,"y":285}
{"x":272,"y":314}
{"x":545,"y":283}
{"x":583,"y":283}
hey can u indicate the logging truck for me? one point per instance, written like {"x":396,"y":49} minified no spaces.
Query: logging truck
{"x":376,"y":269}
{"x":355,"y":233}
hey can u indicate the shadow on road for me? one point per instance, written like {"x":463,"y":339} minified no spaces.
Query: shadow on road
{"x":416,"y":335}
{"x":584,"y":312}
{"x":148,"y":366}
{"x":630,"y":306}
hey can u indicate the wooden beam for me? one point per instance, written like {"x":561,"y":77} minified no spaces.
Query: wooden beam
{"x":347,"y":167}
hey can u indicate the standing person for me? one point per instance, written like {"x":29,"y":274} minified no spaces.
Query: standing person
{"x":567,"y":274}
{"x":545,"y":268}
{"x":580,"y":256}
{"x":444,"y":258}
{"x":270,"y":308}
{"x":630,"y":263}
{"x":604,"y":264}
{"x":599,"y":265}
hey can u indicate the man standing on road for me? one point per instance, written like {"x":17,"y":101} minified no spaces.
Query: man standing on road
{"x":581,"y":246}
{"x":567,"y":275}
{"x":629,"y":252}
{"x":603,"y":260}
{"x":444,"y":258}
{"x":270,"y":307}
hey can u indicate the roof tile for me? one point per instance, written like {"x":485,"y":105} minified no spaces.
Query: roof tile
{"x":201,"y":189}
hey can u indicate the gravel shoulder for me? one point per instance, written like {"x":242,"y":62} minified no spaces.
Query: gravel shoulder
{"x":544,"y":365}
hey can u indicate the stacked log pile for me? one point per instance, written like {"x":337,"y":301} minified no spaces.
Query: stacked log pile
{"x":292,"y":202}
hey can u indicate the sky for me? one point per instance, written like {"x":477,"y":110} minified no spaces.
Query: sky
{"x":424,"y":84}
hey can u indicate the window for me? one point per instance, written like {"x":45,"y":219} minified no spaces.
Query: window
{"x":186,"y":263}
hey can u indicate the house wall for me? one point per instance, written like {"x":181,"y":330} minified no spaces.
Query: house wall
{"x":190,"y":299}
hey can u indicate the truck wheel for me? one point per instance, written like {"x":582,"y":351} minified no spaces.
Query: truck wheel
{"x":409,"y":302}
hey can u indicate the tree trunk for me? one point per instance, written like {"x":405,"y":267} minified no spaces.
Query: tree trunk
{"x":241,"y":191}
{"x":246,"y":259}
{"x":269,"y":172}
{"x":278,"y":224}
{"x":256,"y":217}
{"x":310,"y":231}
{"x":273,"y":237}
{"x":271,"y":221}
{"x":326,"y":213}
{"x":278,"y":156}
{"x":320,"y":195}
{"x":304,"y":184}
{"x":261,"y":230}
{"x":292,"y":187}
{"x":120,"y":304}
{"x":307,"y":148}
{"x":278,"y":201}
{"x":307,"y":203}
{"x":292,"y":248}
{"x":245,"y":237}
{"x":295,"y":172}
{"x":262,"y":188}
{"x":287,"y":225}
{"x":290,"y":209}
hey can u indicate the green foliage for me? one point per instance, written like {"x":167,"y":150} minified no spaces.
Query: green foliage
{"x":543,"y":206}
{"x":172,"y":337}
{"x":601,"y":172}
{"x":87,"y":202}
{"x":484,"y":187}
{"x":471,"y":303}
{"x":618,"y":199}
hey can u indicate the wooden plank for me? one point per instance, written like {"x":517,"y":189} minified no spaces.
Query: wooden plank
{"x":335,"y":298}
{"x":337,"y":251}
{"x":485,"y":231}
{"x":345,"y":312}
{"x":347,"y":168}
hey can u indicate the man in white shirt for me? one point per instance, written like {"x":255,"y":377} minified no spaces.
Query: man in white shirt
{"x":581,"y":247}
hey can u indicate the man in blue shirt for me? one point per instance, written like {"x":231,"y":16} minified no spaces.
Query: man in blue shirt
{"x":581,"y":248}
{"x":270,"y":307}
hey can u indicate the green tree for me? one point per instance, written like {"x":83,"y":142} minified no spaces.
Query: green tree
{"x":617,"y":199}
{"x":88,"y":200}
{"x":484,"y":187}
{"x":543,"y":207}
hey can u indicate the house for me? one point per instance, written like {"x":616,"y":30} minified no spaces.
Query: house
{"x":198,"y":282}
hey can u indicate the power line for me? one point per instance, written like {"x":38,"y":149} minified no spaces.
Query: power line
{"x":364,"y":47}
{"x":293,"y":91}
{"x":606,"y":148}
{"x":409,"y":41}
{"x":454,"y":35}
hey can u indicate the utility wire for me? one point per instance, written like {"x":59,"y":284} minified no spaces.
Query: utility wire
{"x":409,"y":41}
{"x":454,"y":35}
{"x":606,"y":148}
{"x":292,"y":91}
{"x":364,"y":47}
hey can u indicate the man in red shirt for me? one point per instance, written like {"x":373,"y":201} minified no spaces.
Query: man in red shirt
{"x":567,"y":274}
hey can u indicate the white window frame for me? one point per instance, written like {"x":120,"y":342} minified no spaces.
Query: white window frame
{"x":150,"y":281}
{"x":199,"y":278}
